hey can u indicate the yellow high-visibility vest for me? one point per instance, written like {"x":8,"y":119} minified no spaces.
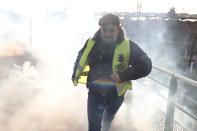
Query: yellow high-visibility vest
{"x":119,"y":64}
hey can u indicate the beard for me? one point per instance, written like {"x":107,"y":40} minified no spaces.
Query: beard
{"x":108,"y":40}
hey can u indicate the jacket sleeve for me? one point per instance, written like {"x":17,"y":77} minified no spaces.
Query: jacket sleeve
{"x":78,"y":59}
{"x":140,"y":65}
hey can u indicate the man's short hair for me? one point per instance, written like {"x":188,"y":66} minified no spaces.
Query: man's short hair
{"x":109,"y":19}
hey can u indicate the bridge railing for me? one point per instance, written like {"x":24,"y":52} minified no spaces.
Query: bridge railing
{"x":171,"y":102}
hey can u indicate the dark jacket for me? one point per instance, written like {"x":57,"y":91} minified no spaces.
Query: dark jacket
{"x":100,"y":60}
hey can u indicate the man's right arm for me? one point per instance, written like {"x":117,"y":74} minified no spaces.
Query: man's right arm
{"x":78,"y":59}
{"x":140,"y":64}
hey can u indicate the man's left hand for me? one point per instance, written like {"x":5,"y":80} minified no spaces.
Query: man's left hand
{"x":115,"y":77}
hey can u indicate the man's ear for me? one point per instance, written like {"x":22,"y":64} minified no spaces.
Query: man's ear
{"x":119,"y":27}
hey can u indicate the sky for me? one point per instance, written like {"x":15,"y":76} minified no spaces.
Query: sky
{"x":186,"y":6}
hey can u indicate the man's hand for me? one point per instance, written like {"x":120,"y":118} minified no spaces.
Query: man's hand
{"x":115,"y":77}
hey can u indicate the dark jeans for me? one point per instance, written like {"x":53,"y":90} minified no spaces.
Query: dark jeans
{"x":102,"y":109}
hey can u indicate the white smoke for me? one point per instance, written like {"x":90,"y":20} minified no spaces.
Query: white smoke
{"x":159,"y":43}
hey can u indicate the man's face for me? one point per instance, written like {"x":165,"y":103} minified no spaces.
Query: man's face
{"x":109,"y":33}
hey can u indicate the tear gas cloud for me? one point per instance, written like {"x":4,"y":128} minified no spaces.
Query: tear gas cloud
{"x":166,"y":46}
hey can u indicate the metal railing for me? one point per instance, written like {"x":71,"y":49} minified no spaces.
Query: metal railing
{"x":171,"y":104}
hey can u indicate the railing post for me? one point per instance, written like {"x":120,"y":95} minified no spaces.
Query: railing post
{"x":169,"y":120}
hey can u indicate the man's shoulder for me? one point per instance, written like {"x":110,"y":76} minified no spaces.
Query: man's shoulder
{"x":132,"y":43}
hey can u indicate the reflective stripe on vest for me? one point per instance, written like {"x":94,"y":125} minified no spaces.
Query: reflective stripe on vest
{"x":120,"y":63}
{"x":79,"y":77}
